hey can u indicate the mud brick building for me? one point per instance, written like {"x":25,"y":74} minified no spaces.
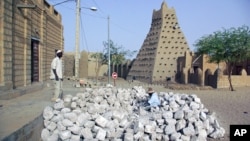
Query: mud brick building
{"x":30,"y":32}
{"x":165,"y":42}
{"x":196,"y":69}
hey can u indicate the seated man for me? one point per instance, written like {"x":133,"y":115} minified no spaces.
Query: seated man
{"x":153,"y":98}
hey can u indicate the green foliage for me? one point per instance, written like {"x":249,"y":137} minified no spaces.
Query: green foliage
{"x":117,"y":53}
{"x":230,"y":45}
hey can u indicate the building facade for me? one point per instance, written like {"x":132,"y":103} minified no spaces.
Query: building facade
{"x":30,"y":32}
{"x":156,"y":61}
{"x":197,"y":70}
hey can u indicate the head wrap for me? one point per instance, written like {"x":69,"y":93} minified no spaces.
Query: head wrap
{"x":150,"y":90}
{"x":59,"y":51}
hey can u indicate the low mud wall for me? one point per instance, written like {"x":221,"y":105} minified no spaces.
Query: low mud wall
{"x":29,"y":132}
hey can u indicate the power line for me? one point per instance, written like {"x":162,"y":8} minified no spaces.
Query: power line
{"x":84,"y":34}
{"x":99,"y":8}
{"x":62,"y":2}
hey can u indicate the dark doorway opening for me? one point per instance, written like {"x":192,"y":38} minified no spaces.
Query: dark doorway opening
{"x":34,"y":60}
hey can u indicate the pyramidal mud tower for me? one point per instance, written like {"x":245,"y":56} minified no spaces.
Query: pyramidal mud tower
{"x":156,"y":60}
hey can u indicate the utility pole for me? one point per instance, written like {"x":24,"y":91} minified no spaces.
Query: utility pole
{"x":77,"y":56}
{"x":108,"y":54}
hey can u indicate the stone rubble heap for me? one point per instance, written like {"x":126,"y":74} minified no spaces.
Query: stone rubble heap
{"x":118,"y":114}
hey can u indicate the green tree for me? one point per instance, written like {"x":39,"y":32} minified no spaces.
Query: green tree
{"x":229,"y":45}
{"x":117,"y":56}
{"x":117,"y":53}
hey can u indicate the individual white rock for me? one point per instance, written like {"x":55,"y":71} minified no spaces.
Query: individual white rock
{"x":45,"y":134}
{"x":75,"y":98}
{"x":203,"y":116}
{"x":128,"y":137}
{"x":175,"y":136}
{"x":101,"y":134}
{"x":160,"y":122}
{"x":179,"y":114}
{"x":65,"y":134}
{"x":170,"y":121}
{"x":51,"y":126}
{"x":75,"y":138}
{"x":124,"y":123}
{"x":75,"y":129}
{"x":167,"y":115}
{"x":138,"y":127}
{"x":180,"y":124}
{"x":73,"y":105}
{"x":149,"y":129}
{"x":67,"y":123}
{"x":185,"y":138}
{"x":77,"y":111}
{"x":59,"y":105}
{"x":165,"y":137}
{"x":46,"y":123}
{"x":118,"y":115}
{"x":218,"y":133}
{"x":71,"y":116}
{"x":169,"y":129}
{"x":101,"y":121}
{"x":202,"y":134}
{"x":48,"y":113}
{"x":89,"y":124}
{"x":138,"y":135}
{"x":53,"y":137}
{"x":86,"y":133}
{"x":67,"y":98}
{"x":57,"y":118}
{"x":65,"y":110}
{"x":194,"y":105}
{"x":189,"y":131}
{"x":60,"y":126}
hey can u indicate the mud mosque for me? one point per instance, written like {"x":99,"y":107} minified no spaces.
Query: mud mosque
{"x":164,"y":43}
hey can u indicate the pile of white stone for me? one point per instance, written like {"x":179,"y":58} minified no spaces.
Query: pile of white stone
{"x":117,"y":114}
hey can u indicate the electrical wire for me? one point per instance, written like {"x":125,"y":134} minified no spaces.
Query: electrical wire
{"x":84,"y":35}
{"x":62,"y":2}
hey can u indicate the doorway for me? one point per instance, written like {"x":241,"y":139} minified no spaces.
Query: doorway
{"x":34,"y":60}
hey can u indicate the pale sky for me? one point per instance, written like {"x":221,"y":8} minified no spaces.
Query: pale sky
{"x":130,"y":20}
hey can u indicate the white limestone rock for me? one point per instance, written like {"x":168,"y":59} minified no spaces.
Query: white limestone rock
{"x":60,"y":126}
{"x":75,"y":138}
{"x":169,"y":129}
{"x":45,"y":134}
{"x":119,"y":114}
{"x":75,"y":129}
{"x":67,"y":123}
{"x":101,"y":134}
{"x":51,"y":126}
{"x":149,"y":129}
{"x":86,"y":133}
{"x":48,"y":113}
{"x":59,"y":105}
{"x":101,"y":121}
{"x":66,"y":134}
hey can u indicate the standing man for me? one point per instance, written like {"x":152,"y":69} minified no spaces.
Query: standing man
{"x":57,"y":75}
